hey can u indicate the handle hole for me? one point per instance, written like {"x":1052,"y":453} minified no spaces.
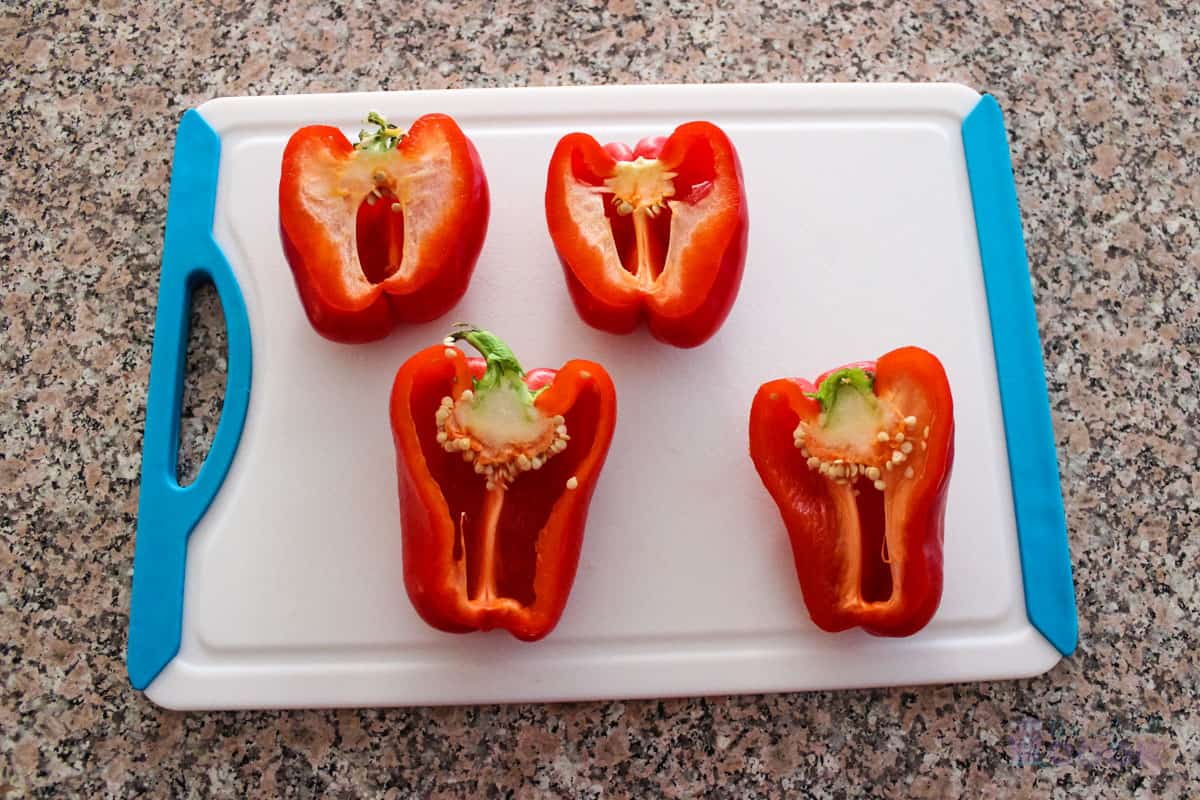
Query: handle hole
{"x":203,"y":382}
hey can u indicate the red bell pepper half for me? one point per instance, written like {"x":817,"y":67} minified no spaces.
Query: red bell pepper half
{"x":496,"y":470}
{"x":859,"y":465}
{"x":658,"y":231}
{"x":383,"y":231}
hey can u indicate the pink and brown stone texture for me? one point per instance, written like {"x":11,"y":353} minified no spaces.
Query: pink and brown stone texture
{"x":1102,"y":107}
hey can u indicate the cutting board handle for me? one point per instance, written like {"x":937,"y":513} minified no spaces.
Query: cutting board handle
{"x":168,"y":512}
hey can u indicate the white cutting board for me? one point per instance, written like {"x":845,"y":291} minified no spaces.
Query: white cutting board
{"x":862,"y":239}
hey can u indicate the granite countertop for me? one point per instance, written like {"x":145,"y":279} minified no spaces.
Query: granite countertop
{"x":1101,"y":104}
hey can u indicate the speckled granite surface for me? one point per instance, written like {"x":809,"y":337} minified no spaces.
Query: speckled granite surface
{"x":1101,"y":103}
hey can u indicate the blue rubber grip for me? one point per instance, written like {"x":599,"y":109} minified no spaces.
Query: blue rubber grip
{"x":167,"y":512}
{"x":1033,"y":466}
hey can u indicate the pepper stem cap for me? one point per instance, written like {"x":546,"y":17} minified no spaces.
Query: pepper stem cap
{"x":502,"y":364}
{"x":382,"y":140}
{"x":852,"y":377}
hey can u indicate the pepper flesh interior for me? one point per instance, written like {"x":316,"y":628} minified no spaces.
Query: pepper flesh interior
{"x":863,"y":446}
{"x":640,"y":215}
{"x":406,"y":186}
{"x":496,"y":427}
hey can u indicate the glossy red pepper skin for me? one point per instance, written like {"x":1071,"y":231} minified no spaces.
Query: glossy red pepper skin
{"x":694,"y":253}
{"x":541,"y":528}
{"x":361,"y":269}
{"x":837,"y":539}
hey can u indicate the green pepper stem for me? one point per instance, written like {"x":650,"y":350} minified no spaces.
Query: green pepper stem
{"x":853,"y":377}
{"x":502,"y":364}
{"x":382,"y":140}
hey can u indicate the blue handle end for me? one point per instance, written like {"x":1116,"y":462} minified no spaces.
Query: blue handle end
{"x":1033,"y":465}
{"x":167,"y":512}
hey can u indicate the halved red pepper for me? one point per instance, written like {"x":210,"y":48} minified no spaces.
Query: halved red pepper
{"x":859,"y":465}
{"x":383,"y":231}
{"x":658,"y":231}
{"x":496,"y":470}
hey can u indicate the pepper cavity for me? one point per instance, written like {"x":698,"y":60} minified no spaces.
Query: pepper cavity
{"x":641,"y":189}
{"x":496,"y":426}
